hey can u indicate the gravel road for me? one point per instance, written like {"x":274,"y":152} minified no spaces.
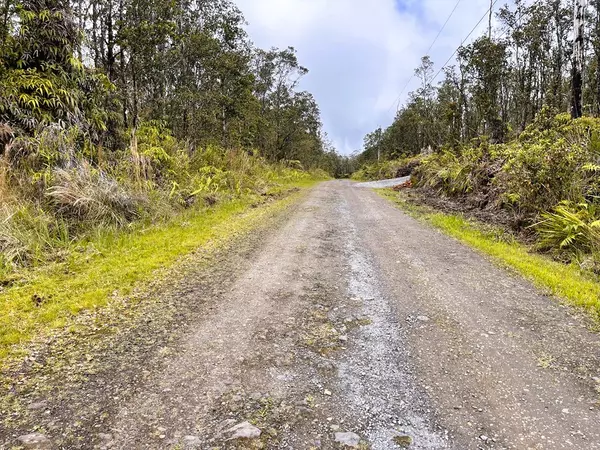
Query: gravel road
{"x":352,"y":322}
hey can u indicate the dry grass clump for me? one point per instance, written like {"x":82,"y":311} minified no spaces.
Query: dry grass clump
{"x":28,"y":234}
{"x":84,"y":194}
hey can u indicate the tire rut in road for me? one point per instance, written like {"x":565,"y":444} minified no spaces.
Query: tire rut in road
{"x":375,"y":375}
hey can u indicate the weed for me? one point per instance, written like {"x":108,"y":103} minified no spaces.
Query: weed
{"x":85,"y":195}
{"x":545,"y":361}
{"x":571,"y":227}
{"x":547,"y":164}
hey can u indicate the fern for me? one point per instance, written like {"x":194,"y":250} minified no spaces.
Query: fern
{"x":573,"y":228}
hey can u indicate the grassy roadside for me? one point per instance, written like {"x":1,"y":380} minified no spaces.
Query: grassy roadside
{"x":49,"y":298}
{"x":568,"y":282}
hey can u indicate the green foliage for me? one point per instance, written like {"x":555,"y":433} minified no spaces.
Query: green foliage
{"x":570,"y":227}
{"x":547,"y":179}
{"x":32,"y":98}
{"x":59,"y":198}
{"x":457,"y":174}
{"x":188,"y":69}
{"x":27,"y":235}
{"x":553,"y":160}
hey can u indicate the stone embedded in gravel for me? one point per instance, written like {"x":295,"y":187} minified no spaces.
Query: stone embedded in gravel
{"x":403,"y":441}
{"x":226,"y":424}
{"x":38,"y":405}
{"x":35,"y":441}
{"x":256,"y":396}
{"x":105,"y":436}
{"x":423,"y":318}
{"x":191,"y":441}
{"x":348,"y":439}
{"x":244,"y":430}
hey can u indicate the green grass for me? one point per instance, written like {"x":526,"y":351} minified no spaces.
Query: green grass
{"x":50,"y":297}
{"x":566,"y":281}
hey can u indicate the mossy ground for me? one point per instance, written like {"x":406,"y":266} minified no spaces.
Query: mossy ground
{"x":49,"y":298}
{"x":566,"y":281}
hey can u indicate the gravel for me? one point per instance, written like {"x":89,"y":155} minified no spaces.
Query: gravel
{"x":382,"y":184}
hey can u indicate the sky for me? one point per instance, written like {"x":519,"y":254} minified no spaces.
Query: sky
{"x":361,"y":53}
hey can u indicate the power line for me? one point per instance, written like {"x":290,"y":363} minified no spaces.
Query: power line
{"x":473,"y":30}
{"x":428,"y":50}
{"x":468,"y":36}
{"x":443,"y":27}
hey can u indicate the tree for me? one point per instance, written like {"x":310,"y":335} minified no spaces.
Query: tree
{"x":187,"y":65}
{"x":501,"y":84}
{"x":373,"y":143}
{"x":41,"y":79}
{"x":578,"y":59}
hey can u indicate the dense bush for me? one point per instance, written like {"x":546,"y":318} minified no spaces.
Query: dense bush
{"x":546,"y":179}
{"x":57,"y":188}
{"x":574,"y":227}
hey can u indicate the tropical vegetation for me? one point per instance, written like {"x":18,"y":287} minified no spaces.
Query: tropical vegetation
{"x":512,"y":129}
{"x":122,"y":112}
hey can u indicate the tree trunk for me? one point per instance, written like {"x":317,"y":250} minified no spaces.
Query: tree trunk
{"x":110,"y":44}
{"x":557,"y":84}
{"x":597,"y":50}
{"x":578,"y":56}
{"x":490,"y":20}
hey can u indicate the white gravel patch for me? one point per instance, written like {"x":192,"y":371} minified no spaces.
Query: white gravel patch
{"x":383,"y":183}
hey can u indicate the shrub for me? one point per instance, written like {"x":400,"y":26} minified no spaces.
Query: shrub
{"x":158,"y":156}
{"x":553,"y":160}
{"x":57,"y":188}
{"x":571,"y":227}
{"x":27,"y":234}
{"x":468,"y":172}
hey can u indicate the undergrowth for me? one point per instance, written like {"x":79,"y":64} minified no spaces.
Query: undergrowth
{"x":78,"y":223}
{"x":546,"y":181}
{"x":58,"y":191}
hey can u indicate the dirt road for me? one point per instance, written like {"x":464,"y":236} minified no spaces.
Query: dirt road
{"x":352,"y":321}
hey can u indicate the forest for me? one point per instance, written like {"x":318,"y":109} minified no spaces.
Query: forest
{"x":114,"y":112}
{"x":511,"y":128}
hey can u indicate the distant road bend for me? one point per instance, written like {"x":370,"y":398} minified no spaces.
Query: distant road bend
{"x":355,"y":325}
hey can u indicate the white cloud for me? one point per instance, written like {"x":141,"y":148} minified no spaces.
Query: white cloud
{"x":360,"y":53}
